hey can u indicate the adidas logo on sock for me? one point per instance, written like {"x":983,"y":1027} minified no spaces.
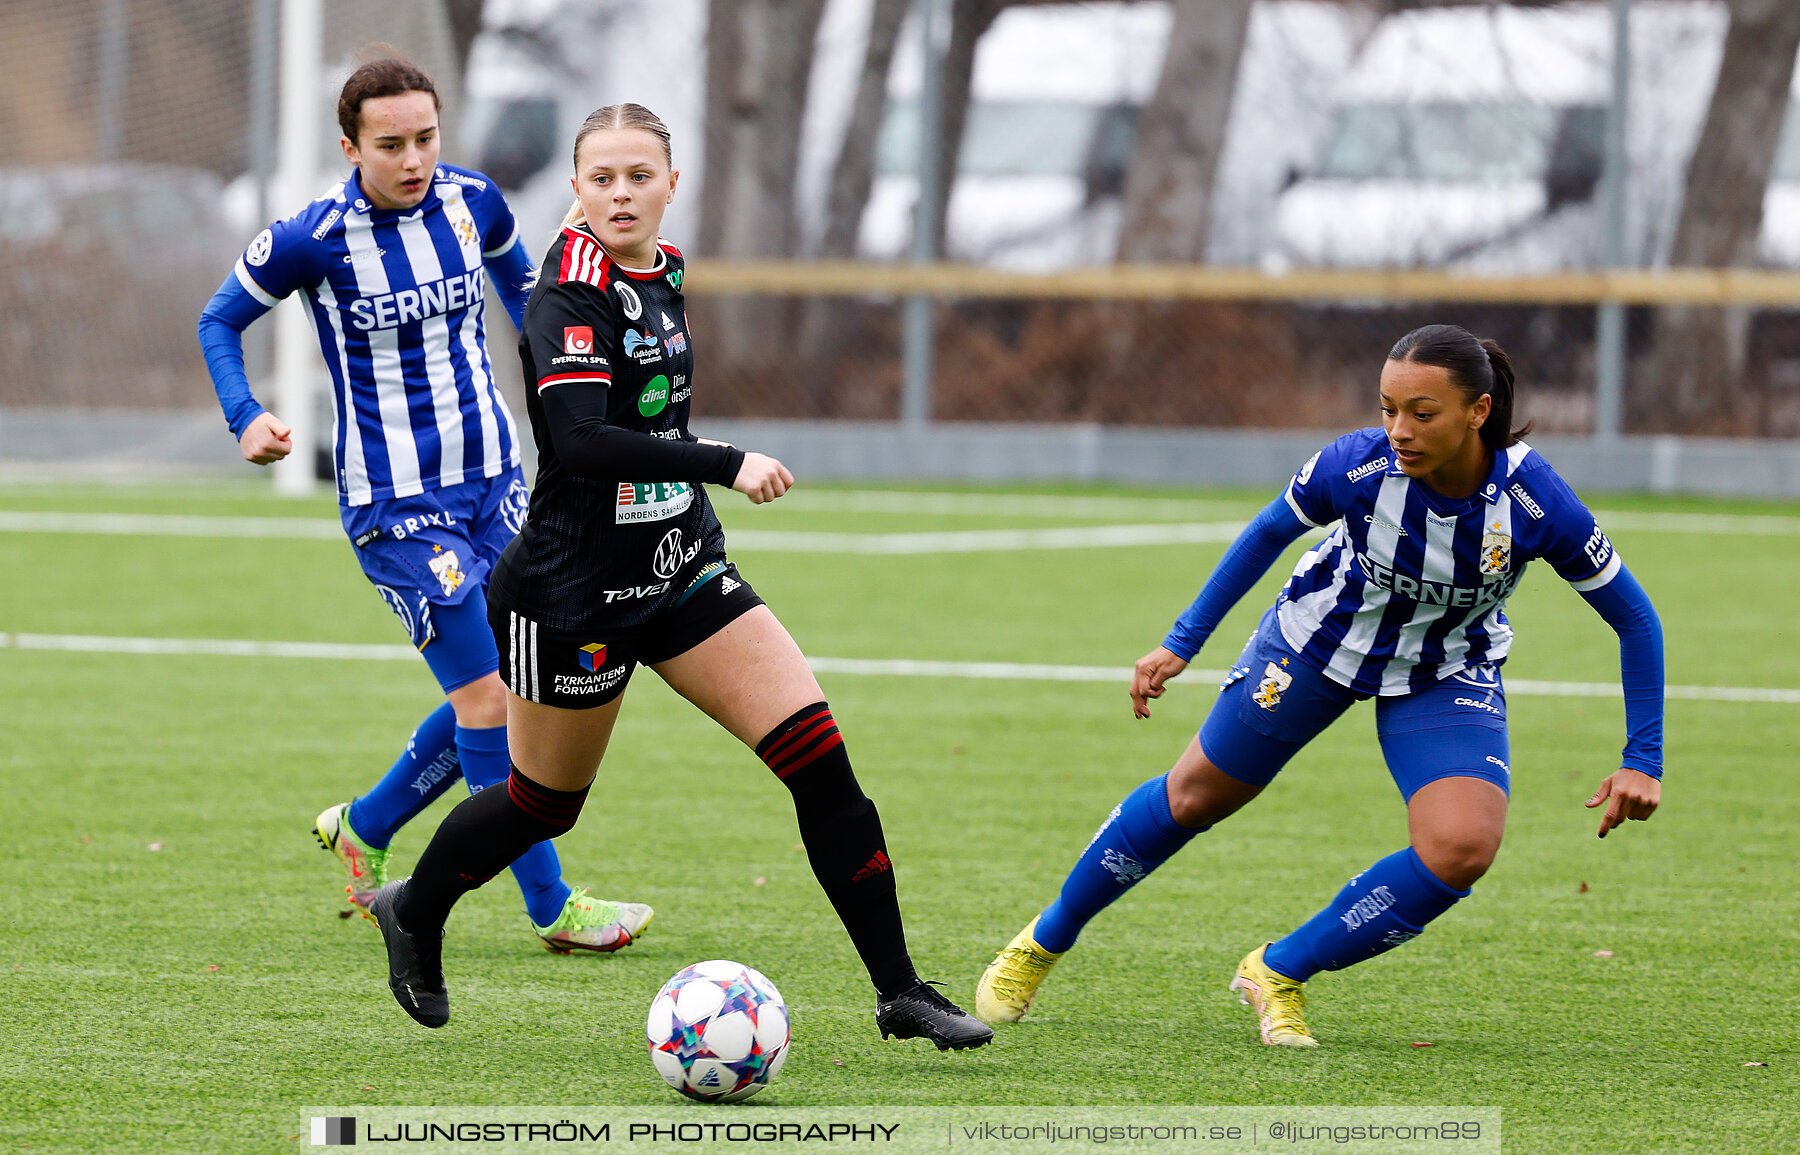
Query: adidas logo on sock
{"x":877,"y":865}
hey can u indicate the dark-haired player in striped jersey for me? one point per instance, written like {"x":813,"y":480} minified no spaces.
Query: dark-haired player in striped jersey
{"x":1432,"y":520}
{"x":621,"y":563}
{"x":391,"y":266}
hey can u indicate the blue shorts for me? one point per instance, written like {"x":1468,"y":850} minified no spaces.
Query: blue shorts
{"x":1272,"y":704}
{"x":433,"y":552}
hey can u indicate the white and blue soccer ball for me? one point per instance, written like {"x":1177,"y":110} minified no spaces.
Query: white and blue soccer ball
{"x":718,"y":1031}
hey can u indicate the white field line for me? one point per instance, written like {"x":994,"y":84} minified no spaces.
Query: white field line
{"x":901,"y":668}
{"x":808,"y":541}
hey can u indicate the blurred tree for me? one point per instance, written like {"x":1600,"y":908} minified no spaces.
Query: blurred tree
{"x":758,"y":64}
{"x":1168,"y":188}
{"x":854,"y":172}
{"x":1697,"y":354}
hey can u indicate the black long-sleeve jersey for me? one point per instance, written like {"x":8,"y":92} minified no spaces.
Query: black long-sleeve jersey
{"x":619,"y":519}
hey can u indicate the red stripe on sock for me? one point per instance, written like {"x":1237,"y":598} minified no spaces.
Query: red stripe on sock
{"x":831,"y":742}
{"x":796,"y":740}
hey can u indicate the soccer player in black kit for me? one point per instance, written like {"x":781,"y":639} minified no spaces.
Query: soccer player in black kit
{"x":622,"y":562}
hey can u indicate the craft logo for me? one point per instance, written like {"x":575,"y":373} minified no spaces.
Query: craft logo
{"x":655,"y":396}
{"x":578,"y":340}
{"x":1275,"y":683}
{"x":334,"y":1131}
{"x":592,"y":657}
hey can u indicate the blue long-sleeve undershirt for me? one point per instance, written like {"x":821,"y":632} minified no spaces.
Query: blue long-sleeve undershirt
{"x":1245,"y":562}
{"x":232,"y":310}
{"x":1627,"y":609}
{"x":1622,"y":602}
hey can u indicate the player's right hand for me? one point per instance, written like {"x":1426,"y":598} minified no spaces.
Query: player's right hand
{"x":1148,"y":676}
{"x":762,"y":478}
{"x":266,"y":441}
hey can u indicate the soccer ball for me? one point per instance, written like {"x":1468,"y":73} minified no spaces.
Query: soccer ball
{"x":718,"y":1031}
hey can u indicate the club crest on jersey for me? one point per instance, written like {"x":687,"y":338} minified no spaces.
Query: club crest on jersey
{"x":462,"y":221}
{"x":1275,"y":683}
{"x":260,"y":248}
{"x":1496,"y":553}
{"x":578,"y":340}
{"x":629,"y":303}
{"x":448,"y":571}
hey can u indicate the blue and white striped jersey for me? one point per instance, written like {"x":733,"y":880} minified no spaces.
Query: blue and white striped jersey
{"x":1408,"y":586}
{"x":395,"y":297}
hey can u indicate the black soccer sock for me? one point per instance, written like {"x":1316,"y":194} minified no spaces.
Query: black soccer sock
{"x":843,"y":840}
{"x":480,"y":838}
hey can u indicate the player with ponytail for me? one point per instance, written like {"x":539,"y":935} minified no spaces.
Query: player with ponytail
{"x":1429,"y":523}
{"x":622,"y":563}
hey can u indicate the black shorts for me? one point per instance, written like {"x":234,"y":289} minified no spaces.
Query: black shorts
{"x":579,"y":671}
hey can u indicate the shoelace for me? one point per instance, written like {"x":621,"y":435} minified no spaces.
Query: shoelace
{"x":1017,"y":966}
{"x":926,"y":991}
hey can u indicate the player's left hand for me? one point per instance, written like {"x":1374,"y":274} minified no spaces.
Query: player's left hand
{"x":1628,"y":794}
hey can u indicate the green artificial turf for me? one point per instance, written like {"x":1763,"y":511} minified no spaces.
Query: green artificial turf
{"x":176,"y":976}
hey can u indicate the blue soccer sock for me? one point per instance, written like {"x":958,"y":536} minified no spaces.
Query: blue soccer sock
{"x":424,"y":770}
{"x":537,"y":871}
{"x":1136,"y":838}
{"x":1382,"y":907}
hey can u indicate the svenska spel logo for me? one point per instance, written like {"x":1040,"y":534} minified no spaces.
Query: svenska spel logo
{"x":592,"y":657}
{"x":578,"y":340}
{"x":334,"y":1131}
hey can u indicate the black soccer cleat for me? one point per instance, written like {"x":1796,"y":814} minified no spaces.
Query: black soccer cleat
{"x":415,"y":962}
{"x":921,"y":1011}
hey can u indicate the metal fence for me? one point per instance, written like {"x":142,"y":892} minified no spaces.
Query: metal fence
{"x":135,"y":146}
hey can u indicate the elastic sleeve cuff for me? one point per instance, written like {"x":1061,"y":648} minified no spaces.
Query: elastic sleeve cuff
{"x":728,"y":468}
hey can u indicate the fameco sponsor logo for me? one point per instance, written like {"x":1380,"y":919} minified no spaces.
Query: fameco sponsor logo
{"x":652,"y":501}
{"x":633,"y":593}
{"x":331,"y":218}
{"x":1362,"y":471}
{"x":578,"y":340}
{"x":1525,"y":502}
{"x":459,"y":178}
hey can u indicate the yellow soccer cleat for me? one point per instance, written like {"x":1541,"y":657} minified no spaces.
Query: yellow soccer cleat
{"x":1011,"y":981}
{"x":1280,"y":1002}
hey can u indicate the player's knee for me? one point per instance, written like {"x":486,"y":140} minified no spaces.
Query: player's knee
{"x":1460,"y":857}
{"x":553,"y":811}
{"x":481,"y":704}
{"x":1200,"y":794}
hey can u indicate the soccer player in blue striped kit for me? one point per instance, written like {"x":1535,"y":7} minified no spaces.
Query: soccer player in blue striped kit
{"x":1432,"y":520}
{"x":390,"y":265}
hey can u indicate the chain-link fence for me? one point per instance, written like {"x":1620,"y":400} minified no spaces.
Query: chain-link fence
{"x":1471,"y":139}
